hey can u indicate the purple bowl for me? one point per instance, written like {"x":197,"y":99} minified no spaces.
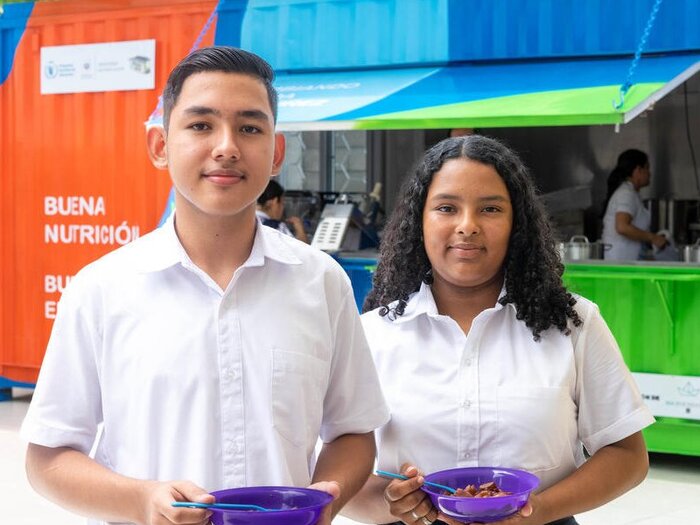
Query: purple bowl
{"x":485,"y":510}
{"x":291,"y":506}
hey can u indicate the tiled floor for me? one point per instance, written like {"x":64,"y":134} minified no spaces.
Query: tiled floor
{"x":670,"y":495}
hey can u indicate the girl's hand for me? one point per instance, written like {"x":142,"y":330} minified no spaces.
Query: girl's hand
{"x":525,"y":516}
{"x":407,"y":502}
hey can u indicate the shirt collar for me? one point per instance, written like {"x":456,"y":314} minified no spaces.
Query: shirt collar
{"x":271,"y":244}
{"x":422,"y":302}
{"x":261,"y":215}
{"x":165,"y":250}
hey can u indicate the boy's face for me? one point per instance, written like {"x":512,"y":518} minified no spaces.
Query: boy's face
{"x":220,"y":146}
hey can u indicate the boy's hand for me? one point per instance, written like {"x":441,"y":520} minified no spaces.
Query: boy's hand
{"x":334,"y":490}
{"x":407,"y":502}
{"x":158,"y":509}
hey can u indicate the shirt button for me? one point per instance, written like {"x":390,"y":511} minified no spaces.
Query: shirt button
{"x":466,"y":404}
{"x":466,"y":455}
{"x":468,"y":362}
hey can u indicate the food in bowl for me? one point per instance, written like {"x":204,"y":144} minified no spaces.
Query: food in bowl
{"x":287,"y":506}
{"x":485,"y":490}
{"x":483,"y":509}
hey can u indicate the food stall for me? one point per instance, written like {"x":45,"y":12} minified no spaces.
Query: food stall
{"x":653,"y":310}
{"x":364,"y":88}
{"x":568,"y":101}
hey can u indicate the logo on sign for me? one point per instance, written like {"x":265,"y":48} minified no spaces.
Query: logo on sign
{"x":688,"y":390}
{"x":51,"y":70}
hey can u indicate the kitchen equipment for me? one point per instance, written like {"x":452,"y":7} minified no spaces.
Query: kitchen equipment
{"x":335,"y":222}
{"x":691,"y":252}
{"x":485,"y":510}
{"x":286,"y":506}
{"x":579,"y":248}
{"x":386,"y":474}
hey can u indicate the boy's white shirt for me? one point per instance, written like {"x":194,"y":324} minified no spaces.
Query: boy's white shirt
{"x":225,"y":388}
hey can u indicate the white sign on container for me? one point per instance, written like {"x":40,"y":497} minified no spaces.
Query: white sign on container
{"x":669,"y":395}
{"x":88,"y":68}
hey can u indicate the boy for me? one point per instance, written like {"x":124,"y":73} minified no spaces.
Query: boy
{"x":212,"y":350}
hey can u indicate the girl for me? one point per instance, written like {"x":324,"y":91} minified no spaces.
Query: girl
{"x":485,"y":358}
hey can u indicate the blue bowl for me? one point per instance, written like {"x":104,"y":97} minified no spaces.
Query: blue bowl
{"x":518,"y":482}
{"x":290,"y":506}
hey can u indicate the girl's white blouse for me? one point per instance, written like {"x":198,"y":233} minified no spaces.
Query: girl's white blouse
{"x":495,"y":397}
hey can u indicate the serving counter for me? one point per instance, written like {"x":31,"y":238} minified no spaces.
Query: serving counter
{"x":653,"y":309}
{"x":360,"y":267}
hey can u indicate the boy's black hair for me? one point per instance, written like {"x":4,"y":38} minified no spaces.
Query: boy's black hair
{"x":274,"y":190}
{"x":223,"y":59}
{"x":532,"y":264}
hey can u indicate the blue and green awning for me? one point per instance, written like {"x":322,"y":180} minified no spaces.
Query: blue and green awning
{"x":480,"y":95}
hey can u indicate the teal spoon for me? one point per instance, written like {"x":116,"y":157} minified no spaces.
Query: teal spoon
{"x":236,"y":506}
{"x":386,"y":474}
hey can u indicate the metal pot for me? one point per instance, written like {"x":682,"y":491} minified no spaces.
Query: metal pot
{"x":579,"y":248}
{"x":691,"y":252}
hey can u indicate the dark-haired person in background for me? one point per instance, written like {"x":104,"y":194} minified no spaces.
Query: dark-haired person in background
{"x":485,"y":358}
{"x":271,"y":212}
{"x":626,"y":221}
{"x":165,"y":344}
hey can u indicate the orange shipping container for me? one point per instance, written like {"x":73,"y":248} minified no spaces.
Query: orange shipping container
{"x":76,"y":179}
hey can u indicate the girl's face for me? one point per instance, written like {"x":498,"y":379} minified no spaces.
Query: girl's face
{"x":467,"y":220}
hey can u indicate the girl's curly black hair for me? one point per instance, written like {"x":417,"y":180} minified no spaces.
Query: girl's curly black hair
{"x":532,"y":264}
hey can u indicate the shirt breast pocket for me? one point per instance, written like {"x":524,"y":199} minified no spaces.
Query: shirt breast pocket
{"x":533,"y":426}
{"x":297,"y":396}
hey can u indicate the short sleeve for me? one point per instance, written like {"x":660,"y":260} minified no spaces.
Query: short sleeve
{"x":626,"y":200}
{"x":354,"y":402}
{"x":610,"y":405}
{"x":65,"y":410}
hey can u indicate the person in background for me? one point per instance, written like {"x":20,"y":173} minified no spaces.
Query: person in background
{"x":484,"y":357}
{"x":626,"y":221}
{"x":161,"y":360}
{"x":270,"y":211}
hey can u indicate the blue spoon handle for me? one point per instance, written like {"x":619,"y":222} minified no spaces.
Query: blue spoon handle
{"x":401,"y":476}
{"x":196,"y":505}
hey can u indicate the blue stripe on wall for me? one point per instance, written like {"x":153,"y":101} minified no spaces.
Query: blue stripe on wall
{"x":13,"y":21}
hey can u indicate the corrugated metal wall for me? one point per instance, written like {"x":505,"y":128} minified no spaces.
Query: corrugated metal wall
{"x":317,"y":34}
{"x":72,"y":146}
{"x":517,"y":29}
{"x":296,"y":35}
